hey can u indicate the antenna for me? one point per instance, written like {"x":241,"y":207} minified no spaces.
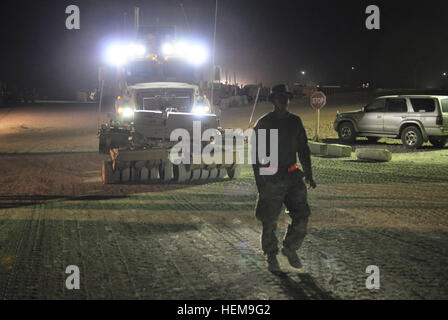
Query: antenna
{"x":185,"y":16}
{"x":136,"y":20}
{"x":213,"y":57}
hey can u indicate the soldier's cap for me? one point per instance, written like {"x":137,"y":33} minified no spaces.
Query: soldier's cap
{"x":280,"y":89}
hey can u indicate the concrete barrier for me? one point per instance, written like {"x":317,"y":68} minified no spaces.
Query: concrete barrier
{"x":233,"y":102}
{"x":225,"y":103}
{"x":318,"y":148}
{"x":237,"y":101}
{"x":371,"y":154}
{"x":339,"y":150}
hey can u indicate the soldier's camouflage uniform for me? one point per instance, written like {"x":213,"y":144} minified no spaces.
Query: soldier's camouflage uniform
{"x":284,"y":187}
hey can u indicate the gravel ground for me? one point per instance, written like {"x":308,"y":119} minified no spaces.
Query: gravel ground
{"x":201,"y":241}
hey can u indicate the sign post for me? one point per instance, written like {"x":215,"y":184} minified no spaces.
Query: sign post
{"x":101,"y":81}
{"x":318,"y":101}
{"x":253,"y":109}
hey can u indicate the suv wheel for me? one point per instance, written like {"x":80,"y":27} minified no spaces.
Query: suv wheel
{"x":346,"y":132}
{"x":438,"y":142}
{"x":412,"y":138}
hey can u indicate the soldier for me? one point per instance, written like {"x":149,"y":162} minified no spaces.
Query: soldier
{"x":285,"y":185}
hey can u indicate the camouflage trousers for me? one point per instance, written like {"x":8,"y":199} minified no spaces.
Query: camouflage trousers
{"x":275,"y":191}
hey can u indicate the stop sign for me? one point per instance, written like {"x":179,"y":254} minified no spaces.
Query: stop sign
{"x":318,"y":100}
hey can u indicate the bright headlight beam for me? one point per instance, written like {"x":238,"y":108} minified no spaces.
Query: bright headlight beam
{"x":119,"y":54}
{"x":128,"y":112}
{"x":167,"y":49}
{"x":194,"y":53}
{"x":197,"y":54}
{"x":115,"y":55}
{"x":201,"y":109}
{"x":181,"y":48}
{"x":136,"y":50}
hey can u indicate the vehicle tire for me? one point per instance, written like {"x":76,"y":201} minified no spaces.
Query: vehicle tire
{"x":373,"y":139}
{"x":166,"y":171}
{"x":412,"y":137}
{"x":438,"y":142}
{"x":180,"y":173}
{"x":213,"y":173}
{"x":234,"y":172}
{"x":346,"y":132}
{"x":204,"y":174}
{"x":222,"y":173}
{"x":195,"y":174}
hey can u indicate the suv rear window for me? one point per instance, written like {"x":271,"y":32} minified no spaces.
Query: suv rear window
{"x":423,"y":105}
{"x":396,"y":105}
{"x":445,"y":105}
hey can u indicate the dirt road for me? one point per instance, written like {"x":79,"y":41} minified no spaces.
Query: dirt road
{"x":201,"y":241}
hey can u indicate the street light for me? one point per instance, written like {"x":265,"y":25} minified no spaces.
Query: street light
{"x":301,"y":76}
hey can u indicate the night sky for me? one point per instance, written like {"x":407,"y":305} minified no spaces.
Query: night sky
{"x":264,"y":41}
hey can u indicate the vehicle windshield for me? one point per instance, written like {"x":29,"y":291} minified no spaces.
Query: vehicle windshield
{"x":149,"y":71}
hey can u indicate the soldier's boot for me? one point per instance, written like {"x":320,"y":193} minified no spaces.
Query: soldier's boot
{"x":273,"y":264}
{"x":293,"y":258}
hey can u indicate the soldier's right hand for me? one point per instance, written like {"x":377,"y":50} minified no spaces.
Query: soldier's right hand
{"x":311,"y":183}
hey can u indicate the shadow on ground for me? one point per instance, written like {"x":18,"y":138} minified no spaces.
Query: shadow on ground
{"x":302,"y":287}
{"x":393,"y":147}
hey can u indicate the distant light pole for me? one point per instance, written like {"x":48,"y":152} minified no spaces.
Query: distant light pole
{"x":302,"y":75}
{"x":352,"y":76}
{"x":444,"y":79}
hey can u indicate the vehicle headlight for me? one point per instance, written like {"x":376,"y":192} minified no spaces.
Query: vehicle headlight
{"x":197,"y":55}
{"x":126,"y":112}
{"x":194,"y":53}
{"x":119,"y":54}
{"x":167,"y":49}
{"x":198,"y":109}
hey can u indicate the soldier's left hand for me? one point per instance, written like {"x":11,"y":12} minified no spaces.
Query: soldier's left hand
{"x":311,"y":184}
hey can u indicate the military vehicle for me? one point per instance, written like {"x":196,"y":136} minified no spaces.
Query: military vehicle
{"x":138,"y":138}
{"x":158,"y":81}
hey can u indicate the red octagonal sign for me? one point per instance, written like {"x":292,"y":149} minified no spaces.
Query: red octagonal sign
{"x":318,"y":100}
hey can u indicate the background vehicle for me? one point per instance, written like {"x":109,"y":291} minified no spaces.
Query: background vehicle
{"x":414,"y":119}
